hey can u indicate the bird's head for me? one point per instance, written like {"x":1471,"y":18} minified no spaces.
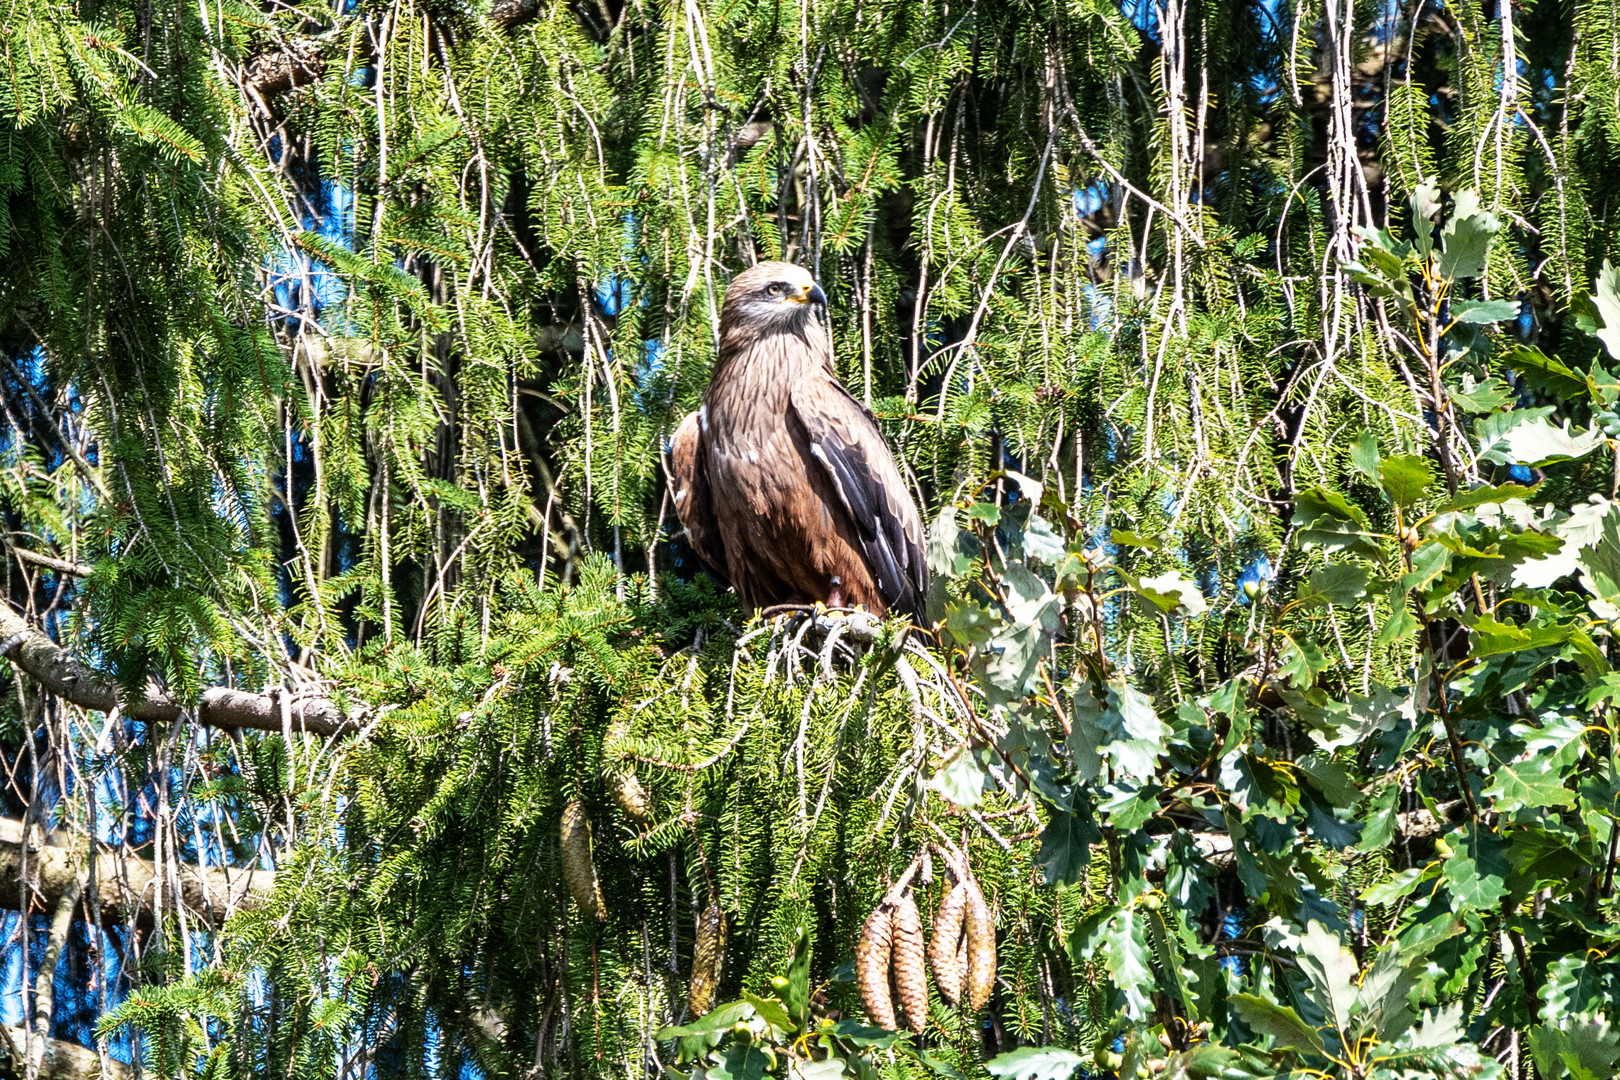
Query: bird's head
{"x":773,"y":297}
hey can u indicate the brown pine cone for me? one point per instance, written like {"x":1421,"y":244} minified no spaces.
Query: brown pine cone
{"x":579,"y":871}
{"x":872,"y":957}
{"x":946,"y":944}
{"x":708,"y":956}
{"x":981,"y":949}
{"x":910,"y":968}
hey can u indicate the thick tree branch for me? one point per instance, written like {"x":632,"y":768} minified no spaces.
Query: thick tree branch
{"x":61,"y":566}
{"x":63,"y":1060}
{"x":509,"y":13}
{"x":296,"y":64}
{"x":59,"y":872}
{"x":64,"y":675}
{"x":45,"y":981}
{"x":299,"y":62}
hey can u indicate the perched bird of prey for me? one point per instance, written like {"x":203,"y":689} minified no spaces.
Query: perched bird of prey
{"x":782,"y":479}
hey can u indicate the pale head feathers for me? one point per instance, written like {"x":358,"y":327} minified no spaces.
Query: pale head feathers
{"x":772,"y":298}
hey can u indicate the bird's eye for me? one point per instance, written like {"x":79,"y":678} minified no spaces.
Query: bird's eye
{"x":774,"y":289}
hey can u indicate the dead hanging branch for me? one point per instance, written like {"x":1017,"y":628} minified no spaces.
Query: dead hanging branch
{"x":126,"y":885}
{"x":66,"y":676}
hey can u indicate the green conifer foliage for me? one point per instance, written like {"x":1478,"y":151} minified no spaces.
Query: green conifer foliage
{"x":1253,"y":362}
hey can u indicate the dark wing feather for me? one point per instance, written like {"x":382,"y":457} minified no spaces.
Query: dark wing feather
{"x":687,"y":466}
{"x":845,"y":440}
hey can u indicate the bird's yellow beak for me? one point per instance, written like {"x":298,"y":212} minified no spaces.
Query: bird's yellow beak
{"x":811,"y":294}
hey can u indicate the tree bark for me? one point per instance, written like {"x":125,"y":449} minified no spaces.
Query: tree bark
{"x":287,"y":68}
{"x":214,"y":892}
{"x":63,"y":1060}
{"x":64,"y":675}
{"x":509,"y":13}
{"x":45,"y":981}
{"x":300,"y":62}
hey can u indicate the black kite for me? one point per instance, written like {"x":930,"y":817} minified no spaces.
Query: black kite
{"x":782,"y":479}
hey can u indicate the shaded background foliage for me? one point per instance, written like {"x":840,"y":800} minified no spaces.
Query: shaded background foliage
{"x":340,"y":342}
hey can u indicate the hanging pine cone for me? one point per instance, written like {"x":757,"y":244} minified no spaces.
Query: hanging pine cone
{"x":981,"y":949}
{"x":910,"y":969}
{"x":708,"y":954}
{"x":630,"y":796}
{"x":872,"y":958}
{"x":945,"y":947}
{"x":579,"y":871}
{"x":622,"y":782}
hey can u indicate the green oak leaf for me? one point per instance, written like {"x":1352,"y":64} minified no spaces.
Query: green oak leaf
{"x":1364,"y":456}
{"x":1466,"y":238}
{"x":1425,"y":207}
{"x":1606,"y":298}
{"x":1524,"y":786}
{"x":962,"y":779}
{"x":1172,"y":593}
{"x":1279,"y":1021}
{"x":942,"y":538}
{"x":1129,"y":962}
{"x":1544,"y":372}
{"x":1035,"y":1063}
{"x":1485,"y":496}
{"x":1484,"y":311}
{"x":1042,"y":542}
{"x":1066,"y":846}
{"x":1340,"y":584}
{"x":1482,"y":396}
{"x":1406,"y":477}
{"x":969,"y":622}
{"x":1332,"y":969}
{"x":1527,"y":437}
{"x":1476,"y":872}
{"x":1491,"y":638}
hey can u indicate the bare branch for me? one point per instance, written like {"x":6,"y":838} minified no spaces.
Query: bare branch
{"x":295,"y":64}
{"x":45,"y":981}
{"x":62,"y":1060}
{"x":59,"y":871}
{"x":64,"y":675}
{"x":61,"y":566}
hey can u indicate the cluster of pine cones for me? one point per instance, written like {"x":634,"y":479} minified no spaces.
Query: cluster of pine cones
{"x":889,"y":958}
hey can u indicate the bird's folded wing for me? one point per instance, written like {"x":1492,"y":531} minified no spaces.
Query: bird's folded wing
{"x":846,"y":441}
{"x":689,"y":489}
